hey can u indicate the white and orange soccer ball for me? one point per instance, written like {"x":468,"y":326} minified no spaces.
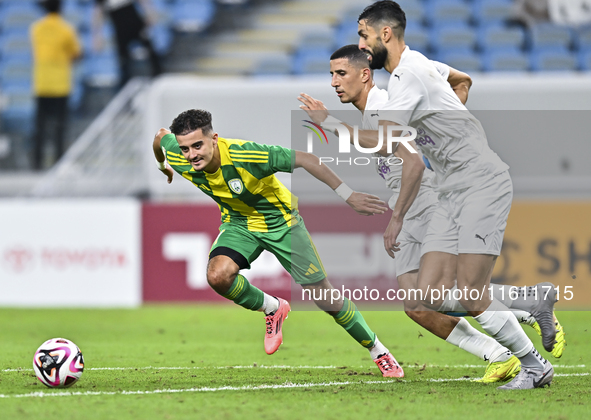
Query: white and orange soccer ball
{"x":58,"y":363}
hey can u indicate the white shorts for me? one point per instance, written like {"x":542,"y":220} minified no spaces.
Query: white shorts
{"x":471,"y":220}
{"x":411,"y":238}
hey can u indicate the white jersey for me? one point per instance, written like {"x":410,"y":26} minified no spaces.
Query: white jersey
{"x":389,"y":167}
{"x":447,"y":133}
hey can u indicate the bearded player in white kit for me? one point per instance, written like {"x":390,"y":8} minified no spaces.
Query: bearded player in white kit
{"x":353,"y":82}
{"x":465,"y":233}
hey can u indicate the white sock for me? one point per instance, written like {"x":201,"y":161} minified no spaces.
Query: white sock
{"x":378,"y":349}
{"x":523,"y":317}
{"x":500,"y":323}
{"x":501,"y":293}
{"x":450,"y":304}
{"x":468,"y":338}
{"x":270,"y":304}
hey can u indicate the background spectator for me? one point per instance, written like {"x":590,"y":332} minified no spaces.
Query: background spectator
{"x":55,"y":46}
{"x":129,"y":26}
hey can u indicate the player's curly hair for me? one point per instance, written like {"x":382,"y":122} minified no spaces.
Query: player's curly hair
{"x":385,"y":13}
{"x":191,"y":120}
{"x":352,"y":53}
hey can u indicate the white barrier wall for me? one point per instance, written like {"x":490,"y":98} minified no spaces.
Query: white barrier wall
{"x":545,"y":158}
{"x":70,"y":253}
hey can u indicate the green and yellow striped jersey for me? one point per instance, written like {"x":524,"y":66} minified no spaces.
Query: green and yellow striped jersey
{"x":244,"y":187}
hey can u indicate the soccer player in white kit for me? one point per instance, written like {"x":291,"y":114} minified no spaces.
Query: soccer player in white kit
{"x":465,"y":234}
{"x":353,"y":83}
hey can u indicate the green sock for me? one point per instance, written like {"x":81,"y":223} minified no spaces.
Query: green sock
{"x":351,"y":320}
{"x":245,"y":294}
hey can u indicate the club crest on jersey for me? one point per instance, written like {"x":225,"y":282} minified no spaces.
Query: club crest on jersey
{"x":236,"y":185}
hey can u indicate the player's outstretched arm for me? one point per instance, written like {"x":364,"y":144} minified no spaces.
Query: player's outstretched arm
{"x":461,"y":83}
{"x":159,"y":155}
{"x":412,"y":174}
{"x":362,"y":203}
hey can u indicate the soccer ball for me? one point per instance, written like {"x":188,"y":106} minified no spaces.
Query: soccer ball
{"x":58,"y":363}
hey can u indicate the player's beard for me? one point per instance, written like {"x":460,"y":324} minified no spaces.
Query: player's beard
{"x":378,"y":56}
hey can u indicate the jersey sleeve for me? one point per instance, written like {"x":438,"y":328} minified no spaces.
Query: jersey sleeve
{"x":442,"y":69}
{"x":281,"y":159}
{"x":271,"y":158}
{"x":169,"y":142}
{"x":405,"y":93}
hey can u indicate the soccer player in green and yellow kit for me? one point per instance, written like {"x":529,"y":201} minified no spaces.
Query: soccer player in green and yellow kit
{"x":259,"y":213}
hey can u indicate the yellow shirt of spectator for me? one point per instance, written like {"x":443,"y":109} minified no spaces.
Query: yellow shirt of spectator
{"x":55,"y":46}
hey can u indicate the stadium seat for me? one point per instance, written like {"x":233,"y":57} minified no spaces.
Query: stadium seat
{"x":583,"y":39}
{"x":15,"y":71}
{"x":73,"y":12}
{"x":17,"y":114}
{"x":320,"y":39}
{"x":346,"y":33}
{"x":161,"y":37}
{"x":585,"y":60}
{"x":311,"y":61}
{"x":101,"y":70}
{"x":192,"y":16}
{"x":553,"y":60}
{"x":447,"y":11}
{"x":19,"y":15}
{"x":463,"y":60}
{"x":508,"y":59}
{"x":454,"y":36}
{"x":548,"y":35}
{"x":417,"y":37}
{"x":414,"y":10}
{"x":493,"y":37}
{"x":492,"y":11}
{"x":15,"y":44}
{"x":279,"y":64}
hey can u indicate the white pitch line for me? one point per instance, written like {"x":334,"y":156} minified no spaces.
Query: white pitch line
{"x":280,"y":367}
{"x":286,"y":385}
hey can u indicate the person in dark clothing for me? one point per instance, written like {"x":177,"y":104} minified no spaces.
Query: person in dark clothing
{"x":130,"y":25}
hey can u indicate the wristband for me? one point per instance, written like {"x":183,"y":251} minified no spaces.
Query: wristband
{"x":344,"y":191}
{"x":330,"y":121}
{"x":161,"y":165}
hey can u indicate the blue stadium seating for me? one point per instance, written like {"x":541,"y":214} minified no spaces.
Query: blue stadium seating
{"x":192,"y":15}
{"x":546,"y":36}
{"x":447,"y":11}
{"x":497,"y":36}
{"x":414,"y":10}
{"x":585,"y":60}
{"x":275,"y":65}
{"x":19,"y":14}
{"x":462,"y":59}
{"x":417,"y":37}
{"x":15,"y":71}
{"x":101,"y":70}
{"x":509,"y":59}
{"x":583,"y":39}
{"x":492,"y":11}
{"x":307,"y":61}
{"x":346,"y":33}
{"x":319,"y":40}
{"x":557,"y":59}
{"x":15,"y":44}
{"x":17,"y":115}
{"x":452,"y":36}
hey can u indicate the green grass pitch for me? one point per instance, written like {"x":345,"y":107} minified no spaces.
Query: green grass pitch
{"x":207,"y":361}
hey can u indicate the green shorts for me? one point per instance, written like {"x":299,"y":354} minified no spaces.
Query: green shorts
{"x":292,"y":246}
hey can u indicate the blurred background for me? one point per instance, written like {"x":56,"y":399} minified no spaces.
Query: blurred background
{"x":95,"y":216}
